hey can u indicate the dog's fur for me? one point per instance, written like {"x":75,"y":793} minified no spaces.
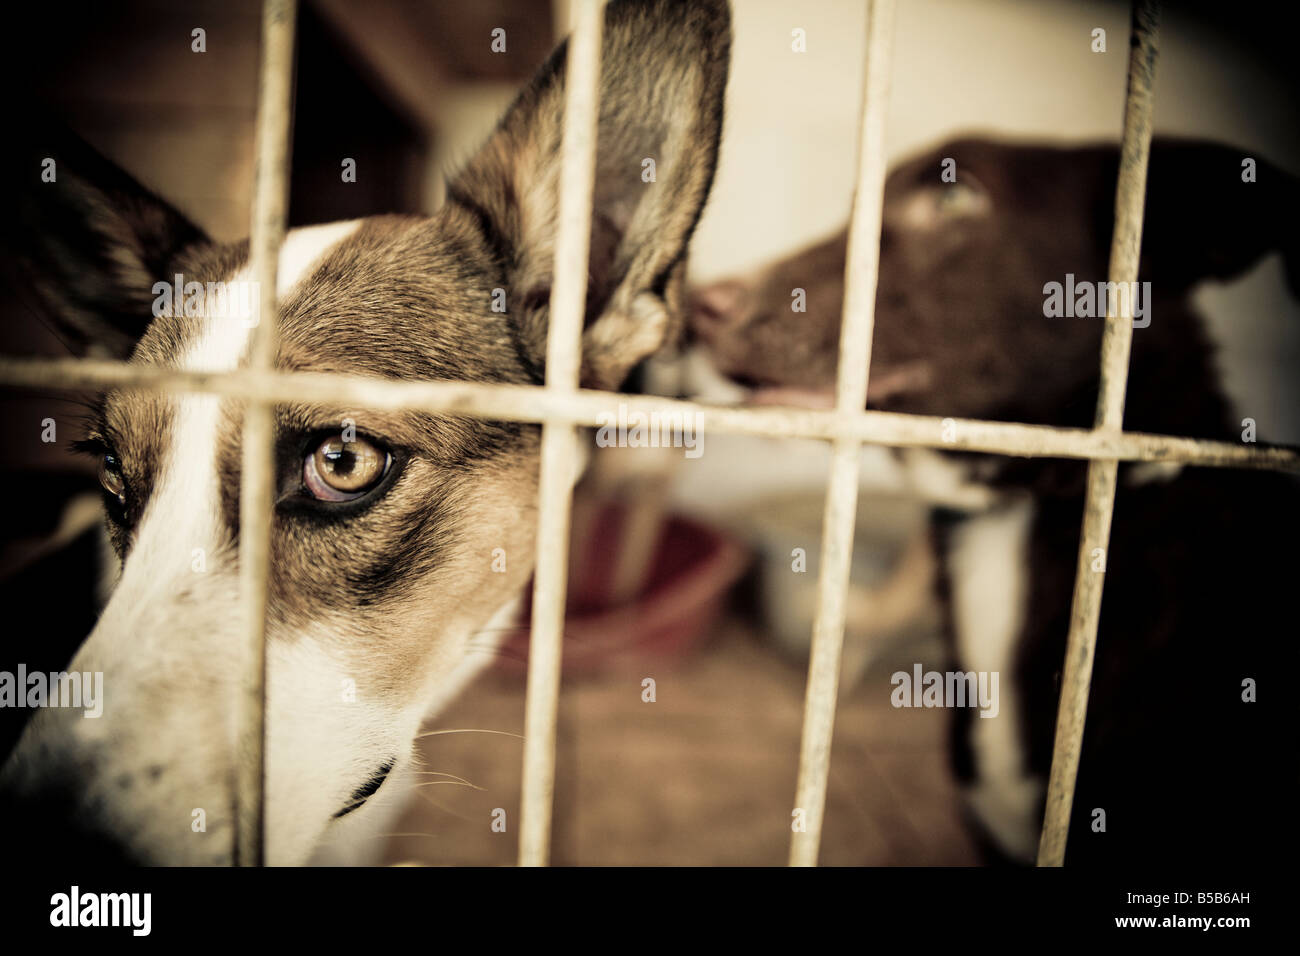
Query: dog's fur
{"x":1198,"y":566}
{"x":386,"y":592}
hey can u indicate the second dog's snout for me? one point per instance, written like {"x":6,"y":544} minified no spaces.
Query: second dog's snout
{"x":716,"y":308}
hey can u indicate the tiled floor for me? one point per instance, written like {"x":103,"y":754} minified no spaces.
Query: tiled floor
{"x":703,"y":776}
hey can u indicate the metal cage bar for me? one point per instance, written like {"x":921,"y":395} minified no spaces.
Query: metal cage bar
{"x":1099,"y":506}
{"x":861,"y":273}
{"x":584,"y":407}
{"x":559,"y":440}
{"x":560,"y":406}
{"x":256,"y":491}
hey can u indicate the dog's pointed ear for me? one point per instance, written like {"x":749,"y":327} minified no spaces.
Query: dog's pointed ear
{"x":87,"y":241}
{"x":663,"y":76}
{"x":1212,"y":212}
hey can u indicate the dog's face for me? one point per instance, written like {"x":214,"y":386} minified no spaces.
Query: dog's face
{"x":960,"y":324}
{"x":390,"y":530}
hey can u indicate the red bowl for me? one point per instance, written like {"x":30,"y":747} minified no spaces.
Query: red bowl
{"x":692,"y":571}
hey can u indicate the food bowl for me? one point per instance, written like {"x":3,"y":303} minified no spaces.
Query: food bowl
{"x":684,"y":586}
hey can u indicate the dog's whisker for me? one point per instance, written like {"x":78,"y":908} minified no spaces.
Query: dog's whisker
{"x":454,"y":783}
{"x":428,"y":798}
{"x":468,"y":730}
{"x":435,"y":773}
{"x":439,"y":773}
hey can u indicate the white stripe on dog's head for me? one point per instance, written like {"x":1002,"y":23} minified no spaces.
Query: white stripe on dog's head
{"x":223,"y":345}
{"x":189,"y":472}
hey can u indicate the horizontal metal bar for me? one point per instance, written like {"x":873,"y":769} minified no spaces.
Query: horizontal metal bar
{"x":531,"y":403}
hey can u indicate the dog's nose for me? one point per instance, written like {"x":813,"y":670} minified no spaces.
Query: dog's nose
{"x":716,"y":308}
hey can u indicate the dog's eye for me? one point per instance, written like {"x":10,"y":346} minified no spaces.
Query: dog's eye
{"x":110,"y":476}
{"x":959,"y":199}
{"x":336,"y":470}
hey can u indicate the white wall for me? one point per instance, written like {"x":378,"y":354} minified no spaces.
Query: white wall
{"x":1014,"y":68}
{"x":1017,"y":68}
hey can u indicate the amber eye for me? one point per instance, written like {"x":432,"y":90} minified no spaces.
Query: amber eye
{"x":341,"y":471}
{"x":110,"y":476}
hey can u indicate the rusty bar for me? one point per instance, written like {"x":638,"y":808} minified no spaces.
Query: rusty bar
{"x":559,"y":448}
{"x":588,"y":408}
{"x":860,"y":276}
{"x":270,"y":204}
{"x":1099,"y":506}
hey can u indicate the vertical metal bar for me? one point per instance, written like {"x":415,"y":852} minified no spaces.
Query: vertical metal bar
{"x":270,"y":202}
{"x":559,"y":452}
{"x":1117,"y":340}
{"x":860,"y":278}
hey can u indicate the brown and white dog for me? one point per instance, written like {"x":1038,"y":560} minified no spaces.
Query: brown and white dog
{"x":1201,"y":564}
{"x":382,"y":540}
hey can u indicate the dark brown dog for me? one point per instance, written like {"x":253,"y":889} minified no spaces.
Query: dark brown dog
{"x":1176,"y":764}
